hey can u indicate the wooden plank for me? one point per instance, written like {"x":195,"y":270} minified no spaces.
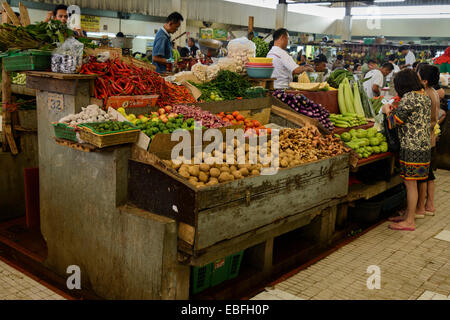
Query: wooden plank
{"x":22,"y":90}
{"x":363,"y":191}
{"x":11,"y":14}
{"x":218,"y":195}
{"x":234,"y":218}
{"x":85,"y":147}
{"x":5,"y":18}
{"x":186,"y":233}
{"x":61,"y":76}
{"x":10,"y":138}
{"x":293,"y":117}
{"x":24,"y":17}
{"x":52,"y":85}
{"x":252,"y":238}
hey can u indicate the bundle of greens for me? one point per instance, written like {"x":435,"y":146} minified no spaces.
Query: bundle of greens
{"x":337,"y":76}
{"x":227,"y":86}
{"x":43,"y":35}
{"x":262,"y":47}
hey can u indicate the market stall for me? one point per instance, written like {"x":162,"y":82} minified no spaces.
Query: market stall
{"x":141,"y":225}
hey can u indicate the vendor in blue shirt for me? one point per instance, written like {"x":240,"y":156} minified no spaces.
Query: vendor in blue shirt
{"x":162,"y":46}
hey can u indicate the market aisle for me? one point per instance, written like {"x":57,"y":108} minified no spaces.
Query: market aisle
{"x":14,"y":285}
{"x":413,"y":265}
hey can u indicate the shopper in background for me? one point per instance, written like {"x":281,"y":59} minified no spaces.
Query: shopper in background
{"x":192,"y":47}
{"x":392,"y":60}
{"x":320,"y":65}
{"x":373,"y":86}
{"x":162,"y":47}
{"x":429,"y":76}
{"x":410,"y":58}
{"x":357,"y":67}
{"x":339,"y":63}
{"x":412,"y":117}
{"x":60,"y":14}
{"x":284,"y":66}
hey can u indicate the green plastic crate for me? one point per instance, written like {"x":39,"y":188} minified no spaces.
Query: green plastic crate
{"x":219,"y":271}
{"x":201,"y":278}
{"x":234,"y":263}
{"x":63,"y":131}
{"x":215,"y":272}
{"x":27,"y":60}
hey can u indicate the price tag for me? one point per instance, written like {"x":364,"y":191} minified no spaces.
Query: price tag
{"x":55,"y":102}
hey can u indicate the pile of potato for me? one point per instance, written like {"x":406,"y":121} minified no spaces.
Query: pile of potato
{"x":296,"y":147}
{"x":214,"y":168}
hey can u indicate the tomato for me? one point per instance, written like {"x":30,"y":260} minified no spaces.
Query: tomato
{"x":222,"y":114}
{"x":256,"y":123}
{"x":230,"y":117}
{"x":240,"y":117}
{"x":240,"y":122}
{"x":234,"y":122}
{"x":235,"y":114}
{"x":226,"y":119}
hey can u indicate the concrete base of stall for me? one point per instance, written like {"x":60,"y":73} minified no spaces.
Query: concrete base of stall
{"x":12,"y":189}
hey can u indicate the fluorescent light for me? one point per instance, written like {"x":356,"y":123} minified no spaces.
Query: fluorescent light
{"x":384,"y":1}
{"x":323,"y":4}
{"x":101,"y":34}
{"x":145,"y":37}
{"x":403,"y":16}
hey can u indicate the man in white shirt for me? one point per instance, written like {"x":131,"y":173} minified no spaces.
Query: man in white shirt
{"x":410,"y":58}
{"x":373,"y":86}
{"x":396,"y":68}
{"x":284,"y":66}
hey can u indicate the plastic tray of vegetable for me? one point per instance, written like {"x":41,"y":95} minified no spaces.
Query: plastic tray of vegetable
{"x":105,"y":134}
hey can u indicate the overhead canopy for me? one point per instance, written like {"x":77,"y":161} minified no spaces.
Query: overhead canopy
{"x":146,"y":7}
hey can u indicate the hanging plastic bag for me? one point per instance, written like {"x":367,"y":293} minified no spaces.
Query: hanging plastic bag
{"x":241,"y":49}
{"x":67,"y":58}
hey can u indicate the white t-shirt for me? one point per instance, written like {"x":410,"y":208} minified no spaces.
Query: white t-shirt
{"x":377,"y":78}
{"x":410,"y":58}
{"x":283,"y":66}
{"x":390,"y":75}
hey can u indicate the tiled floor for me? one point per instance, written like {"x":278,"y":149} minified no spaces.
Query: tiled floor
{"x":14,"y":285}
{"x":413,"y":265}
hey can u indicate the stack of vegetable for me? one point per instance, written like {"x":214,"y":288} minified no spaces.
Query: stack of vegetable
{"x":262,"y":47}
{"x":164,"y":114}
{"x":156,"y":125}
{"x":215,"y":168}
{"x":235,"y":118}
{"x":347,"y":120}
{"x":19,"y":78}
{"x":89,"y":114}
{"x":207,"y":119}
{"x":350,"y":101}
{"x":337,"y":76}
{"x":298,"y":146}
{"x":377,"y":103}
{"x":110,"y":126}
{"x":299,"y":103}
{"x":365,"y":142}
{"x":226,"y":86}
{"x":119,"y":79}
{"x":43,"y":35}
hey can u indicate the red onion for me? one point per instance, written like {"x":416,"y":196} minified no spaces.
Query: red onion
{"x":207,"y":119}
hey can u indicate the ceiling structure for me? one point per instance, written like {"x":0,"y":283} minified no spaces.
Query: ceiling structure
{"x":363,"y":3}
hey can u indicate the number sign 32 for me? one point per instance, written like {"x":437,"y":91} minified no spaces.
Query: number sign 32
{"x":55,"y":102}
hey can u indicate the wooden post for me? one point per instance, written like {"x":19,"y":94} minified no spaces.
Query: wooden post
{"x":7,"y":135}
{"x":250,"y":23}
{"x":24,"y":17}
{"x":10,"y":13}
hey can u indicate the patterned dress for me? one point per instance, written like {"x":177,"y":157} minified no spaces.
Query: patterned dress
{"x":413,"y":117}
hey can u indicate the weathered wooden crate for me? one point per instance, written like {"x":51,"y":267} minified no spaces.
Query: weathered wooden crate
{"x":220,"y":212}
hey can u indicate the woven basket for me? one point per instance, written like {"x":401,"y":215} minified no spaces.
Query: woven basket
{"x":102,"y":140}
